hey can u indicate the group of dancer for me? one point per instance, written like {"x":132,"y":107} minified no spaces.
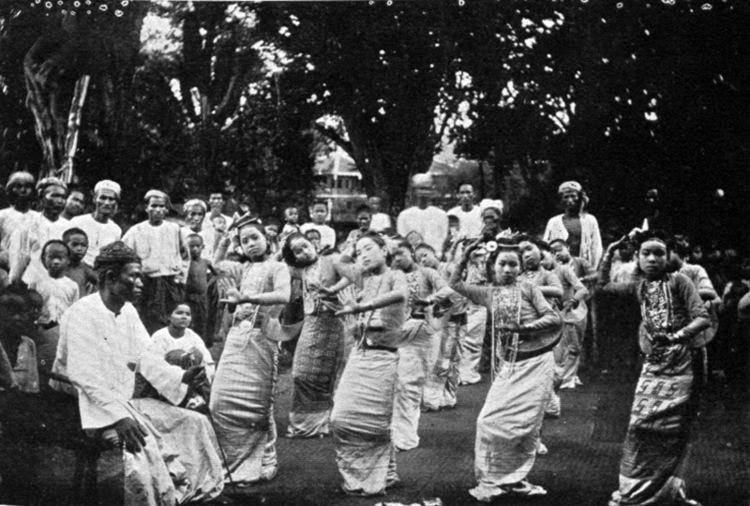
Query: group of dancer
{"x":389,"y":330}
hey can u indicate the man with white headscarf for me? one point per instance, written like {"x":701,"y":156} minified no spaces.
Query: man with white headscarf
{"x":576,"y":226}
{"x":158,"y":244}
{"x":28,"y":239}
{"x":99,"y":227}
{"x":195,"y":211}
{"x":20,"y":191}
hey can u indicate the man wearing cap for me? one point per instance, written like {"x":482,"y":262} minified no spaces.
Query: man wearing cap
{"x":169,"y":454}
{"x":429,"y":221}
{"x":20,"y":190}
{"x":159,"y":245}
{"x":575,"y":226}
{"x":27,"y":239}
{"x":99,"y":227}
{"x":469,"y":216}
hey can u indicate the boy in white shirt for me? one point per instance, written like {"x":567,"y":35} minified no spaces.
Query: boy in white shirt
{"x":318,"y":215}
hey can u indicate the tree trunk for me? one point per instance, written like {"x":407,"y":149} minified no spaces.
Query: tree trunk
{"x":74,"y":125}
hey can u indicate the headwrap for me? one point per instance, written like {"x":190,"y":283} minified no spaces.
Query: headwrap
{"x":195,"y":202}
{"x":107,"y":185}
{"x":18,"y":177}
{"x":46,"y":182}
{"x":247,"y":219}
{"x":574,"y":186}
{"x":115,"y":253}
{"x":156,"y":193}
{"x":491,"y":204}
{"x":421,"y":180}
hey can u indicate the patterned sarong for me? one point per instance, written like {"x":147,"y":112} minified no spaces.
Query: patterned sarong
{"x":316,"y":359}
{"x":242,"y":403}
{"x":361,"y":420}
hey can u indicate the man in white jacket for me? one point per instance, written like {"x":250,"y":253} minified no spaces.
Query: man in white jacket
{"x":575,"y":226}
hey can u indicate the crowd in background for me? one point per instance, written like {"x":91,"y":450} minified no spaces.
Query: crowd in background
{"x":380,"y":323}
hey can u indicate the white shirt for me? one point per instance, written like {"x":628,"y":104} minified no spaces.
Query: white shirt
{"x":431,"y":223}
{"x":25,"y":248}
{"x":164,"y":343}
{"x":380,"y":222}
{"x":100,"y":351}
{"x":58,"y":294}
{"x":99,"y":234}
{"x":11,"y":220}
{"x":327,"y":234}
{"x":158,"y":248}
{"x":469,"y":223}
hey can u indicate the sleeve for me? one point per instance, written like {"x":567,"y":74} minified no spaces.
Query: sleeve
{"x":18,"y":253}
{"x":579,"y":289}
{"x":100,"y":406}
{"x":282,"y":280}
{"x":547,"y":318}
{"x":548,"y":231}
{"x":352,"y":272}
{"x":165,"y":378}
{"x":696,"y":307}
{"x":479,"y":295}
{"x":399,"y":283}
{"x":401,"y":225}
{"x":606,"y":286}
{"x":208,"y":360}
{"x":703,"y":282}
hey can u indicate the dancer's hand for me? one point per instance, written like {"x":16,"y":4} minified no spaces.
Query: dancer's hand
{"x":350,"y":308}
{"x":232,"y":296}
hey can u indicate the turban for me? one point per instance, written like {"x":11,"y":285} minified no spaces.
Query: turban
{"x":106,"y":185}
{"x":43,"y":184}
{"x":156,"y":193}
{"x":422,"y":180}
{"x":491,"y":204}
{"x":19,"y":177}
{"x":574,"y":186}
{"x":115,"y":253}
{"x":195,"y":202}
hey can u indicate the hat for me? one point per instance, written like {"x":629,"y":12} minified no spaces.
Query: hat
{"x":107,"y":185}
{"x":46,"y":182}
{"x":195,"y":202}
{"x":156,"y":193}
{"x":570,"y":186}
{"x":18,"y":177}
{"x":421,"y":179}
{"x":491,"y":204}
{"x":115,"y":253}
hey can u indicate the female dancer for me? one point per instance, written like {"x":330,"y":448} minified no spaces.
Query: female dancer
{"x":242,"y":392}
{"x":363,"y":403}
{"x":672,"y":314}
{"x":320,"y":347}
{"x":426,"y":287}
{"x":509,"y":423}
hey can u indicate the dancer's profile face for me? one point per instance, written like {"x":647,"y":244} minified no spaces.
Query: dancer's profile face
{"x":304,"y":251}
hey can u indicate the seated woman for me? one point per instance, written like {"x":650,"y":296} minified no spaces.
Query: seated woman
{"x":526,"y":328}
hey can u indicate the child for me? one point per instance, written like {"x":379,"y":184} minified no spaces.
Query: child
{"x":18,"y":358}
{"x":81,"y":273}
{"x":318,"y":216}
{"x":196,"y":287}
{"x":291,"y":221}
{"x":313,"y":236}
{"x":181,"y":346}
{"x":59,"y":293}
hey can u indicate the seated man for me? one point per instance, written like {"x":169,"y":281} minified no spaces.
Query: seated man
{"x":170,"y":455}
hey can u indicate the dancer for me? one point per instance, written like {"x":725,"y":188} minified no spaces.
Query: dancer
{"x":426,"y":288}
{"x":320,"y":348}
{"x":673,"y":316}
{"x":526,"y":328}
{"x":363,"y":404}
{"x":242,"y":392}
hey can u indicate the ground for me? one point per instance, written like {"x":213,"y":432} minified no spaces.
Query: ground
{"x":580,"y":469}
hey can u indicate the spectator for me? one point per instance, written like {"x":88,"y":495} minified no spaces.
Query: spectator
{"x":196,"y":288}
{"x":74,"y":205}
{"x":158,"y":244}
{"x":82,"y":274}
{"x":381,"y":222}
{"x":20,"y":190}
{"x":429,"y":221}
{"x":318,"y":215}
{"x":469,"y":216}
{"x":98,"y":226}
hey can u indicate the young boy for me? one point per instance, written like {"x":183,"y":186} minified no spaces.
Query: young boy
{"x":59,"y":293}
{"x":18,"y":357}
{"x":82,"y":274}
{"x":158,"y":244}
{"x":318,"y":215}
{"x":196,"y":287}
{"x":291,"y":221}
